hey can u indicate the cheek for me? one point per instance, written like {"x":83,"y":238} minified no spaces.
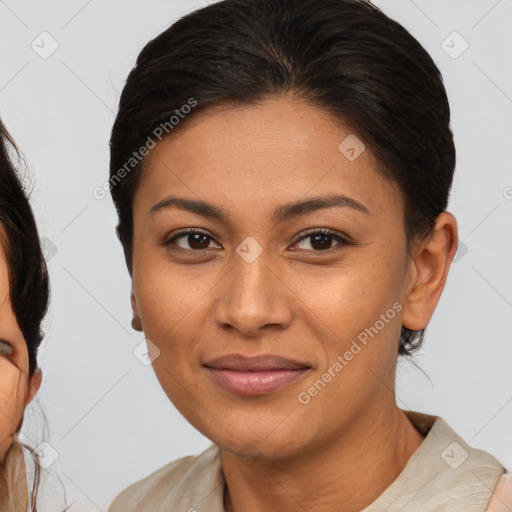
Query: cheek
{"x":175,"y":305}
{"x":354,"y":311}
{"x":167,"y":301}
{"x":13,"y":389}
{"x":174,"y":308}
{"x":352,"y":296}
{"x":170,"y":296}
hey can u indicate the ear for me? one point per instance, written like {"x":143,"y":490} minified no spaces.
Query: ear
{"x":33,"y":385}
{"x":136,"y":322}
{"x":133,"y":300}
{"x":428,"y":272}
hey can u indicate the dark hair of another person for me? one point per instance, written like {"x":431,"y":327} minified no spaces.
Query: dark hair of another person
{"x":28,"y":276}
{"x":345,"y":56}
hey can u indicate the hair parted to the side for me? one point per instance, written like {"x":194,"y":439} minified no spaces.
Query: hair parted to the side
{"x":344,"y":56}
{"x":28,"y":274}
{"x":29,"y":287}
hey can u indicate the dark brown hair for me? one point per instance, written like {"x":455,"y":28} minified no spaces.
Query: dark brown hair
{"x":344,"y":56}
{"x":28,"y":276}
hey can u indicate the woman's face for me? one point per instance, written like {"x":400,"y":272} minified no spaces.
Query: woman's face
{"x":16,"y":388}
{"x":261,"y":280}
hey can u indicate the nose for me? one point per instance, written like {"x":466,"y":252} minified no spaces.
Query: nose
{"x":253,"y":297}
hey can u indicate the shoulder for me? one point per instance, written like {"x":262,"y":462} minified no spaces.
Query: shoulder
{"x":501,"y":500}
{"x":175,"y":481}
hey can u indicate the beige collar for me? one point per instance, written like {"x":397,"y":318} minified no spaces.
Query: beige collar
{"x":444,"y":474}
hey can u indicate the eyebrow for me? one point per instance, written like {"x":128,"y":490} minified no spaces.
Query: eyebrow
{"x":280,"y":214}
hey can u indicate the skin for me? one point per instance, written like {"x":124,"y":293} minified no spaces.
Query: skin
{"x":17,"y":387}
{"x":348,"y":444}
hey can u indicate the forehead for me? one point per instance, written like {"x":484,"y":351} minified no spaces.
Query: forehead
{"x":256,"y":155}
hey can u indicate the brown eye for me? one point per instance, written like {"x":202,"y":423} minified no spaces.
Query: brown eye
{"x":193,"y":240}
{"x":197,"y":241}
{"x":323,"y":240}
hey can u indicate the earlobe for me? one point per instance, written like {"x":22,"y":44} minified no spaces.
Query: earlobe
{"x":133,"y":301}
{"x":429,"y":272}
{"x":136,"y":322}
{"x":34,"y":385}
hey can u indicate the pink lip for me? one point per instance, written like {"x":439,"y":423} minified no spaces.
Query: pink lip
{"x":255,"y":375}
{"x":255,"y":383}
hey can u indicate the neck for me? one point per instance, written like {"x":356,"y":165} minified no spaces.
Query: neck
{"x":347,"y":473}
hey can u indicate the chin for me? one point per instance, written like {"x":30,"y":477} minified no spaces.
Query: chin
{"x":253,"y":443}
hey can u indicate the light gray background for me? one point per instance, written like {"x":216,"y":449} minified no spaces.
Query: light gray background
{"x":109,"y":421}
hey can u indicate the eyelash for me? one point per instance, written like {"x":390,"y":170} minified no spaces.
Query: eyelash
{"x":342,"y":241}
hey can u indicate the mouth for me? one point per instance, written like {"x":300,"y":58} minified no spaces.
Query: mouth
{"x":257,"y":375}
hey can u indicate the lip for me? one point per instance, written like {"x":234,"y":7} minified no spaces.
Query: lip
{"x":256,"y":375}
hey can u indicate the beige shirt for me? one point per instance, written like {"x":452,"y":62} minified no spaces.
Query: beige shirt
{"x":444,"y":474}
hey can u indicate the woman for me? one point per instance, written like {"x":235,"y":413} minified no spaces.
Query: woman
{"x":24,"y":295}
{"x":281,"y":172}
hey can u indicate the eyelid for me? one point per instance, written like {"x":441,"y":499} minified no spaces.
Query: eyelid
{"x":5,"y":348}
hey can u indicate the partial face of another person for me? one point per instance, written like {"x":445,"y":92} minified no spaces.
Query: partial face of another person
{"x":264,"y":277}
{"x":17,"y":388}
